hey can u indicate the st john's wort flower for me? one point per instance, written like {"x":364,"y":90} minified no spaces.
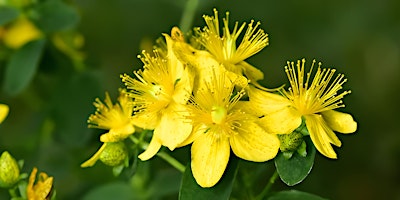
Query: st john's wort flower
{"x":159,"y":94}
{"x":222,"y":44}
{"x":219,"y":125}
{"x":314,"y":99}
{"x":117,"y":118}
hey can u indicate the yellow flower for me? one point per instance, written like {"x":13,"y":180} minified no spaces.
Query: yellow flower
{"x":20,"y":32}
{"x":4,"y":109}
{"x":315,"y":100}
{"x":159,"y":94}
{"x":115,"y":118}
{"x":220,"y":123}
{"x":43,"y":187}
{"x":224,"y":47}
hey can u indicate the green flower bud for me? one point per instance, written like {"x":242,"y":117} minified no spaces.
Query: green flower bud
{"x":114,"y":154}
{"x":9,"y":170}
{"x":290,"y":142}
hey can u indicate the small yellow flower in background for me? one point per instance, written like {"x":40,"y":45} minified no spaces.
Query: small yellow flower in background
{"x":117,"y":118}
{"x":4,"y":109}
{"x":40,"y":190}
{"x":314,"y":99}
{"x":221,"y":124}
{"x":20,"y":32}
{"x":159,"y":95}
{"x":224,"y":47}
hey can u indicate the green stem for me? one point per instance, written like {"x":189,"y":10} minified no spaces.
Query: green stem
{"x":188,"y":15}
{"x":268,"y":186}
{"x":163,"y":155}
{"x":13,"y":192}
{"x":172,"y":161}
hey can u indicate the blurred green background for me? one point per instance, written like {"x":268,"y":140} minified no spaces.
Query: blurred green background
{"x":361,"y":38}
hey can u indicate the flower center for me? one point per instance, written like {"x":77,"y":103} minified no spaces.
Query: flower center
{"x":218,"y":114}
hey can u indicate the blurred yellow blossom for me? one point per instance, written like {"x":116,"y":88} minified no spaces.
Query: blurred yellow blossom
{"x":20,"y":32}
{"x":40,"y":190}
{"x":314,"y":99}
{"x":4,"y":109}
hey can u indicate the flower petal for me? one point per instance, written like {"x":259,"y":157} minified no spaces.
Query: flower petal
{"x":254,"y":144}
{"x":253,"y":73}
{"x":197,"y":132}
{"x":118,"y":134}
{"x":321,"y":135}
{"x":340,"y":122}
{"x":151,"y":150}
{"x":266,"y":102}
{"x":4,"y":109}
{"x":210,"y":157}
{"x":281,"y":121}
{"x":174,"y":128}
{"x":95,"y":157}
{"x":146,"y":120}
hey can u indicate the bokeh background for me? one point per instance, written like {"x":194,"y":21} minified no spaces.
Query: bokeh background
{"x":360,"y":38}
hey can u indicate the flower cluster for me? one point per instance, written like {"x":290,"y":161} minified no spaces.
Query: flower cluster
{"x":200,"y":91}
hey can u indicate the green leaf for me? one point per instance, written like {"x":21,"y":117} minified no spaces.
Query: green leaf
{"x":54,"y":15}
{"x":165,"y":182}
{"x":294,"y":170}
{"x":222,"y":190}
{"x":7,"y":14}
{"x":22,"y":67}
{"x":114,"y":190}
{"x":294,"y":195}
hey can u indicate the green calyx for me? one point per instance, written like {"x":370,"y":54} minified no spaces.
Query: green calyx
{"x":114,"y":154}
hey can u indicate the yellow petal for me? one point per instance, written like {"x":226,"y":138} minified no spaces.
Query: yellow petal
{"x":21,"y":32}
{"x":251,"y":72}
{"x":95,"y":157}
{"x":266,"y":102}
{"x":278,"y":115}
{"x":146,"y":120}
{"x":197,"y":131}
{"x":174,"y":128}
{"x":340,"y":122}
{"x":4,"y":109}
{"x":254,"y":144}
{"x":151,"y":150}
{"x":210,"y":157}
{"x":282,"y":121}
{"x":118,"y":134}
{"x":321,"y":135}
{"x":183,"y":86}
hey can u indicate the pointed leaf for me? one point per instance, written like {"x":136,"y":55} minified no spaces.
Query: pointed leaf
{"x":7,"y":14}
{"x":55,"y":15}
{"x":294,"y":170}
{"x":22,"y":67}
{"x":294,"y":195}
{"x":191,"y":190}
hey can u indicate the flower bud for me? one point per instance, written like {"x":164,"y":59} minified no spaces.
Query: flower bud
{"x":9,"y":170}
{"x":114,"y":154}
{"x":290,"y":142}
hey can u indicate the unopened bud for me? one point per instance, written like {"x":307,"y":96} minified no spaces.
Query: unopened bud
{"x":114,"y":154}
{"x":9,"y":170}
{"x":290,"y":142}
